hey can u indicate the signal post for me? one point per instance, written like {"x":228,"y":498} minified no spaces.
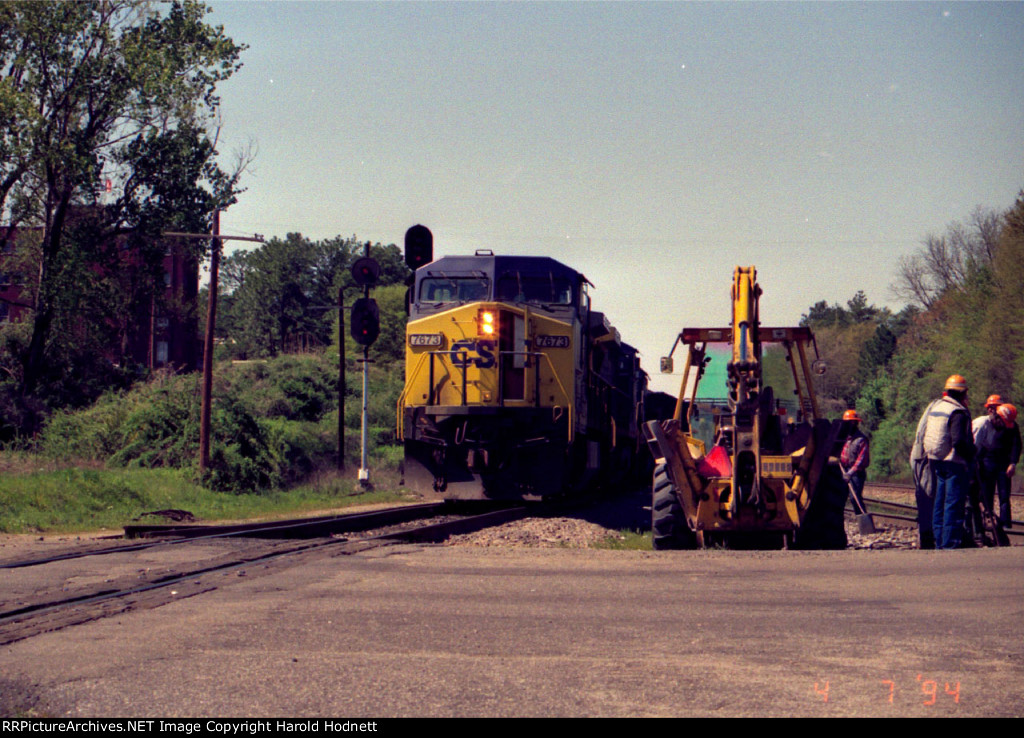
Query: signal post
{"x":365,"y":322}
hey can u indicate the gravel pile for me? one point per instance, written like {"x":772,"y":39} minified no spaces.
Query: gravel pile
{"x":538,"y":533}
{"x":574,"y":533}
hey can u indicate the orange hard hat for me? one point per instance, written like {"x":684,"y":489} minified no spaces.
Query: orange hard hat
{"x":851,"y":415}
{"x":993,"y":401}
{"x":956,"y":383}
{"x":1008,"y":413}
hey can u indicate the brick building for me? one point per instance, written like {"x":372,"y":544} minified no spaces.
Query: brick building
{"x":162,"y":331}
{"x":13,"y":308}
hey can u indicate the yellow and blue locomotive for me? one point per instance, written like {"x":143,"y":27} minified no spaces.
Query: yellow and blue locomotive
{"x":514,"y":387}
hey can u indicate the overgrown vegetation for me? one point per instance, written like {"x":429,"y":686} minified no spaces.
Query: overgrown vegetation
{"x":274,"y":448}
{"x":966,"y":317}
{"x":274,"y":423}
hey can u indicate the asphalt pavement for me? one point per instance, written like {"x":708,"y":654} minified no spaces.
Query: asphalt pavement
{"x":440,"y":631}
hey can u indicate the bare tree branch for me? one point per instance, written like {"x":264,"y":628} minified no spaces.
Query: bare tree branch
{"x":944,"y":263}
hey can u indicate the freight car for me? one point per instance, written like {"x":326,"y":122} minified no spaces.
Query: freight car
{"x":515,"y":388}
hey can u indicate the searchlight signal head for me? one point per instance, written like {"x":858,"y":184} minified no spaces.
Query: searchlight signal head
{"x":419,"y":246}
{"x":365,"y":271}
{"x":365,"y":321}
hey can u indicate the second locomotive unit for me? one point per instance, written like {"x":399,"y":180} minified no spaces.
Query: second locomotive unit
{"x":514,"y":387}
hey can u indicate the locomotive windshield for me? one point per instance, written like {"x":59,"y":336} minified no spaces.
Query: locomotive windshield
{"x":453,"y":289}
{"x":537,"y":289}
{"x":524,"y":280}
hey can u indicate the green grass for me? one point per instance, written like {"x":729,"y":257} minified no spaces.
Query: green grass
{"x":627,"y":540}
{"x":76,"y":499}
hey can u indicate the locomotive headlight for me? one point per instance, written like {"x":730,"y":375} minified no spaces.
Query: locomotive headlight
{"x":487,"y":323}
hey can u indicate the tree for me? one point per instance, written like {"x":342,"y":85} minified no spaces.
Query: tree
{"x":1003,"y":332}
{"x":969,"y":284}
{"x":860,"y":311}
{"x":849,"y":339}
{"x":105,"y":107}
{"x":945,"y":263}
{"x":857,"y":310}
{"x":271,"y":306}
{"x":281,"y":293}
{"x":822,"y":314}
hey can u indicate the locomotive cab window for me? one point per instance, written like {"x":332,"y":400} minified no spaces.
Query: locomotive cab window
{"x":536,"y":289}
{"x":453,"y":289}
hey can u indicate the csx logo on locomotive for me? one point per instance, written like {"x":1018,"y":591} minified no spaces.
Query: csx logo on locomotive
{"x":461,"y":353}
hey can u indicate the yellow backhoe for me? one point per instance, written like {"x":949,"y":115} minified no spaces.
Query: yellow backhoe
{"x":761,"y":482}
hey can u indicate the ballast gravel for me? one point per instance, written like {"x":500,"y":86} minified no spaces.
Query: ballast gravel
{"x":574,"y":533}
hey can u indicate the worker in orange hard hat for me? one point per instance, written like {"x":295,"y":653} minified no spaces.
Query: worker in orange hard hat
{"x":997,"y":438}
{"x":943,"y":460}
{"x":955,"y":383}
{"x":979,"y":515}
{"x":1007,"y":414}
{"x":855,"y":456}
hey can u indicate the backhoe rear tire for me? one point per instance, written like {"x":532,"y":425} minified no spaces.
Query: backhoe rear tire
{"x":668,"y":523}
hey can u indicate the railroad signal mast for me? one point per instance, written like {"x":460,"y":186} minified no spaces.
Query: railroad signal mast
{"x":365,"y":327}
{"x":364,"y":319}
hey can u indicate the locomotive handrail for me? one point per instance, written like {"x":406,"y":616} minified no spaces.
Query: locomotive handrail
{"x":536,"y":375}
{"x":610,"y":385}
{"x":464,"y":355}
{"x":430,"y":398}
{"x":561,"y":387}
{"x":463,"y":370}
{"x":405,"y":391}
{"x":536,"y":381}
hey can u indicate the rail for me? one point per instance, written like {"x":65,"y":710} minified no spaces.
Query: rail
{"x":23,"y":617}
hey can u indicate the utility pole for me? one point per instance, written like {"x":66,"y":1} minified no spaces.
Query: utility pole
{"x":211,"y":322}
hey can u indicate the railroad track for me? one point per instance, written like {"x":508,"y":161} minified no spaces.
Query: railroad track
{"x":899,"y":507}
{"x":236,"y":552}
{"x":169,"y":535}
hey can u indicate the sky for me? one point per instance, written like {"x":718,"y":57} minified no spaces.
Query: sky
{"x":651,"y":146}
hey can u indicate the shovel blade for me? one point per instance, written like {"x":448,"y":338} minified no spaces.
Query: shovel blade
{"x":866,"y":524}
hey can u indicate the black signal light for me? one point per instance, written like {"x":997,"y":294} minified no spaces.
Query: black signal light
{"x":365,"y":271}
{"x":419,"y":246}
{"x":365,"y":321}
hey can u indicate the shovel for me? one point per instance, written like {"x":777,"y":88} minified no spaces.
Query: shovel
{"x":865,"y":522}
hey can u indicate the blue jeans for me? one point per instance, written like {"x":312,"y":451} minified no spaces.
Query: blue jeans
{"x":857,"y":488}
{"x":951,"y":480}
{"x":924,"y":494}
